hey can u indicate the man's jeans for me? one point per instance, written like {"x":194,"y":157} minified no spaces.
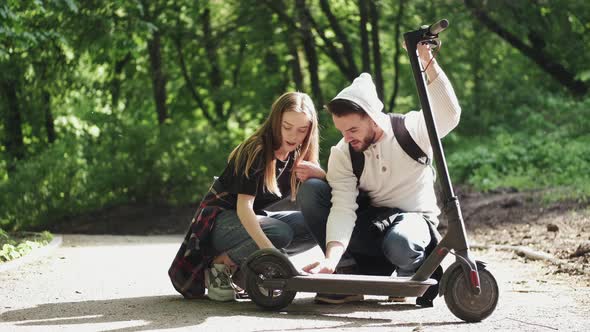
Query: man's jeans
{"x":403,"y":245}
{"x":285,"y":229}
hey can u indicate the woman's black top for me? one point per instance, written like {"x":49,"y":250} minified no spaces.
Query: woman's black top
{"x":253,"y":185}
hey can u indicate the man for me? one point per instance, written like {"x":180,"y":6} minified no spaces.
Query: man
{"x":396,"y":184}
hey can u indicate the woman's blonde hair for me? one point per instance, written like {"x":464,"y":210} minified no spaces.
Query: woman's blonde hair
{"x":268,"y":138}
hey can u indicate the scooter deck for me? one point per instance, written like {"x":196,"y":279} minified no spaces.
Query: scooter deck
{"x":352,"y":284}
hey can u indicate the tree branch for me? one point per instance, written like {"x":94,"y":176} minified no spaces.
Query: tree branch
{"x":342,"y":38}
{"x":236,"y":76}
{"x":541,"y":58}
{"x":329,"y":49}
{"x":189,"y":81}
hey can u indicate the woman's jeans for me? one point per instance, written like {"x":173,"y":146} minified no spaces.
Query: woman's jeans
{"x":285,"y":229}
{"x":404,"y":244}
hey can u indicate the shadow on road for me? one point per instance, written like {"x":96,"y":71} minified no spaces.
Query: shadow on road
{"x":165,"y":312}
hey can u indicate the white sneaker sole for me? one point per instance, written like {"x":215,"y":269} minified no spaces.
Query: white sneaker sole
{"x":216,"y":294}
{"x":221,"y":295}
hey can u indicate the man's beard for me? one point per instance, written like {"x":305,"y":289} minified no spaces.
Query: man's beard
{"x":367,"y":141}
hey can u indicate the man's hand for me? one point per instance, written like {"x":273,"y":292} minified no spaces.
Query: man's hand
{"x":334,"y":252}
{"x":425,"y":55}
{"x":305,"y":170}
{"x":424,"y":52}
{"x":323,"y":266}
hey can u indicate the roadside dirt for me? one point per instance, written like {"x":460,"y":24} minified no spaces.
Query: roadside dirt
{"x":558,"y":231}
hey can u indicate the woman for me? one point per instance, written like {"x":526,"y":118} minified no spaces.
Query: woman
{"x":231,"y":222}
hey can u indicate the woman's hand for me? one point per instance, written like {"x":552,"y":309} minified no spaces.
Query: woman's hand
{"x":245,"y":211}
{"x":305,"y":170}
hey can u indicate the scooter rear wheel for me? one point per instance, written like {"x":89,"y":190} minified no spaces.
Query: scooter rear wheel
{"x":264,"y":268}
{"x":466,"y":305}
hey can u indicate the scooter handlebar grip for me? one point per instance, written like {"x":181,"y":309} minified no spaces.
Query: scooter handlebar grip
{"x":438,"y":27}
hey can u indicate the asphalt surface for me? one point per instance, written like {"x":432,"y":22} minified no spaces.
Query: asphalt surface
{"x":119,"y":283}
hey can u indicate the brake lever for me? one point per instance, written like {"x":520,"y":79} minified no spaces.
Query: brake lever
{"x":434,"y":42}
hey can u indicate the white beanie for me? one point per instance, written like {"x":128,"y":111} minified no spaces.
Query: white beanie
{"x":362,"y":91}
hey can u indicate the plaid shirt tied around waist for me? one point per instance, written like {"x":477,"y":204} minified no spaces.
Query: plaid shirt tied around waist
{"x":187,"y":271}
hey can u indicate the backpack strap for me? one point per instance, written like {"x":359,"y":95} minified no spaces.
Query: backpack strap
{"x":405,"y":140}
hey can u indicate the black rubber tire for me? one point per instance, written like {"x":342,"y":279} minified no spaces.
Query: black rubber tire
{"x":266,"y":267}
{"x":466,"y":305}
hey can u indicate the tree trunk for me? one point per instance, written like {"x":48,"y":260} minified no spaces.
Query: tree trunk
{"x":295,"y":63}
{"x":215,"y":78}
{"x":397,"y":54}
{"x":310,"y":52}
{"x":236,"y":77}
{"x":49,"y":125}
{"x":292,"y":39}
{"x":477,"y":72}
{"x":352,"y":70}
{"x":116,"y":80}
{"x":12,"y":122}
{"x":539,"y":56}
{"x":343,"y":60}
{"x":158,"y":78}
{"x":364,"y":18}
{"x":190,"y":84}
{"x":374,"y":19}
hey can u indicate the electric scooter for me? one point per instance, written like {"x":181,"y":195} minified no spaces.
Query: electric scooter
{"x":470,"y":290}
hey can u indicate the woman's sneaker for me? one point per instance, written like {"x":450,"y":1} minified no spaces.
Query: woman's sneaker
{"x":218,"y":283}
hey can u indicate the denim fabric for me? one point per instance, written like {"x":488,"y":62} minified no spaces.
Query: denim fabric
{"x":285,"y":229}
{"x":404,"y":244}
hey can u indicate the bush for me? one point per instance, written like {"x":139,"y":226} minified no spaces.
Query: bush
{"x":14,"y":246}
{"x":550,"y":149}
{"x":146,"y":164}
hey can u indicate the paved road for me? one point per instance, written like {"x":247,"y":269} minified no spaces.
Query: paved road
{"x":119,"y":283}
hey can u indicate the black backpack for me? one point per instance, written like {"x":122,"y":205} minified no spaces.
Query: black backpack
{"x":405,"y":141}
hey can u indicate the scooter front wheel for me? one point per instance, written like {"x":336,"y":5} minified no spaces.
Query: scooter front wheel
{"x":265,"y":268}
{"x":466,"y":305}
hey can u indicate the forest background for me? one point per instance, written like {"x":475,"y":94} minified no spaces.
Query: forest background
{"x":108,"y":103}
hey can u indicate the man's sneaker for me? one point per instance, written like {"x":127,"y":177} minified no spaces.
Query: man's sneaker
{"x":218,"y":283}
{"x":431,"y":293}
{"x":337,"y":298}
{"x":323,"y":298}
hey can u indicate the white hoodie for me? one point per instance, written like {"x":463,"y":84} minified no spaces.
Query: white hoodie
{"x":390,"y":176}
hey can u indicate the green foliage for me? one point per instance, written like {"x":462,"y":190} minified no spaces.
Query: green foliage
{"x":15,"y":245}
{"x":549,"y":149}
{"x":129,"y":164}
{"x":87,"y":68}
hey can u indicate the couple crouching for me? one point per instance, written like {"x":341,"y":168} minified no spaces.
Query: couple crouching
{"x":373,"y":212}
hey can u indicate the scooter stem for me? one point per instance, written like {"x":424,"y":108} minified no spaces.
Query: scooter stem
{"x":456,"y":235}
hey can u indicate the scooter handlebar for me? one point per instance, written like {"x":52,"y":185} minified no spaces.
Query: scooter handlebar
{"x":438,"y":27}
